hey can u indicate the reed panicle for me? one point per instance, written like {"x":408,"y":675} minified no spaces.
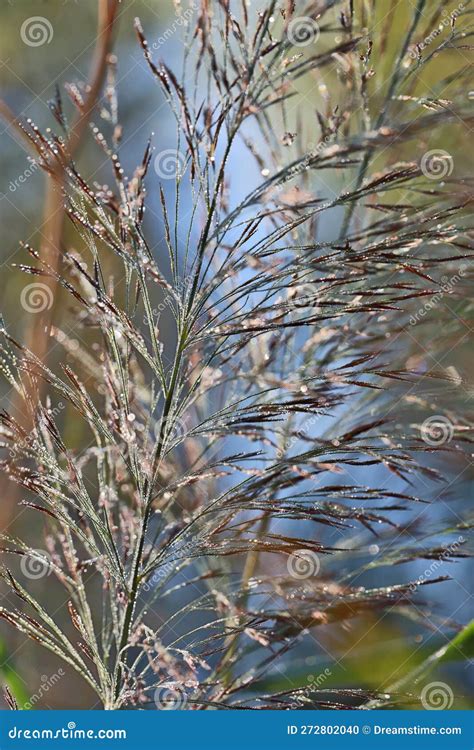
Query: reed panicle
{"x":253,"y":416}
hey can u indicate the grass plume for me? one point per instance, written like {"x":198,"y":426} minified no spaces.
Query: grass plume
{"x":243,"y":386}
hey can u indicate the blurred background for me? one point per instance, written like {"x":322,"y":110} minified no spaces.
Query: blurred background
{"x":29,"y":77}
